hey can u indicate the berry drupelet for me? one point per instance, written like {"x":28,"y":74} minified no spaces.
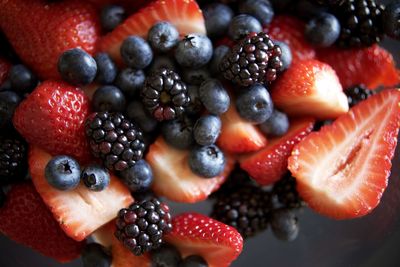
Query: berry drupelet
{"x":115,"y":140}
{"x":141,"y":226}
{"x":12,"y":159}
{"x":357,"y":93}
{"x":286,"y":192}
{"x":254,"y":59}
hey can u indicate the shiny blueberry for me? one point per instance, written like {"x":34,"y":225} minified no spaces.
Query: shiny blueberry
{"x":206,"y":161}
{"x":111,"y":16}
{"x":214,"y":96}
{"x":163,"y":36}
{"x":242,"y":25}
{"x":260,"y":9}
{"x":63,"y":173}
{"x":22,"y":80}
{"x":179,"y":133}
{"x":106,"y":68}
{"x":139,"y":177}
{"x":95,"y":177}
{"x":108,"y":98}
{"x":276,"y":125}
{"x":136,"y":52}
{"x":194,"y":51}
{"x":323,"y":30}
{"x":207,"y":129}
{"x":130,"y":81}
{"x":217,"y":17}
{"x":218,"y":55}
{"x":286,"y":56}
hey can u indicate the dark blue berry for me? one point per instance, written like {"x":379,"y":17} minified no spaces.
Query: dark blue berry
{"x":63,"y":173}
{"x":178,"y":133}
{"x":136,"y":52}
{"x":194,"y":51}
{"x":8,"y":103}
{"x":276,"y":125}
{"x":195,"y":106}
{"x":260,"y":9}
{"x":218,"y":55}
{"x":195,"y":76}
{"x":214,"y":96}
{"x":163,"y":36}
{"x":162,"y":62}
{"x":323,"y":30}
{"x":106,"y":69}
{"x":206,"y":161}
{"x":95,"y":177}
{"x":130,"y":81}
{"x":108,"y":98}
{"x":242,"y":25}
{"x":391,"y":20}
{"x":307,"y":10}
{"x":137,"y":113}
{"x":111,"y":16}
{"x":22,"y":80}
{"x":207,"y":129}
{"x":284,"y":224}
{"x":286,"y":56}
{"x":95,"y":255}
{"x":139,"y":177}
{"x":77,"y":67}
{"x":217,"y":17}
{"x":254,"y":104}
{"x":166,"y":256}
{"x":6,"y":86}
{"x":193,"y":261}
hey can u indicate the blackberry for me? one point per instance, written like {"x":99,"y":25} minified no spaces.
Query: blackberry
{"x":254,"y":59}
{"x":12,"y":159}
{"x":115,"y":140}
{"x":141,"y":226}
{"x":247,"y":209}
{"x":286,"y":192}
{"x":357,"y":93}
{"x":237,"y":179}
{"x":164,"y":95}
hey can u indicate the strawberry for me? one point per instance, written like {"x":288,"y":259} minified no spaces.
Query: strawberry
{"x":342,"y":170}
{"x":40,"y":31}
{"x":25,"y":219}
{"x":173,"y":177}
{"x":372,"y":66}
{"x":52,"y":117}
{"x":291,"y":31}
{"x":80,"y":211}
{"x":196,"y":234}
{"x":269,"y":164}
{"x":4,"y":69}
{"x":310,"y":87}
{"x":186,"y":15}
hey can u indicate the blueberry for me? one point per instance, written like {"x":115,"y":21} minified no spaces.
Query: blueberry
{"x":391,"y":21}
{"x":95,"y":255}
{"x":95,"y":177}
{"x":323,"y":30}
{"x":194,"y":51}
{"x":111,"y":16}
{"x":106,"y":69}
{"x":108,"y":98}
{"x":218,"y":55}
{"x":8,"y":103}
{"x":137,"y":113}
{"x":276,"y":125}
{"x":207,"y":129}
{"x":195,"y":76}
{"x":193,"y":261}
{"x":163,"y":36}
{"x":206,"y":161}
{"x":178,"y":133}
{"x":130,"y":81}
{"x":242,"y":25}
{"x":284,"y":224}
{"x":306,"y":9}
{"x":139,"y":177}
{"x":217,"y":17}
{"x":77,"y":67}
{"x":260,"y":9}
{"x":195,"y":106}
{"x":162,"y":62}
{"x":63,"y":173}
{"x":254,"y":104}
{"x":136,"y":52}
{"x":22,"y":80}
{"x":166,"y":256}
{"x":214,"y":96}
{"x":5,"y":86}
{"x":286,"y":56}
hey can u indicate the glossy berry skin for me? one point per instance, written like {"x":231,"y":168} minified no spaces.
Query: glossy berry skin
{"x":193,"y":261}
{"x":166,"y":256}
{"x":242,"y":25}
{"x":206,"y":161}
{"x":179,"y":133}
{"x":284,"y":224}
{"x":77,"y":67}
{"x":260,"y":9}
{"x":63,"y":173}
{"x":111,"y":16}
{"x":276,"y":125}
{"x":136,"y":52}
{"x":194,"y":51}
{"x":286,"y":56}
{"x":8,"y":103}
{"x":22,"y":79}
{"x":218,"y":55}
{"x":139,"y":177}
{"x":195,"y":76}
{"x":106,"y":68}
{"x":286,"y":192}
{"x":214,"y":96}
{"x":195,"y":106}
{"x":95,"y":255}
{"x":13,"y":160}
{"x":95,"y":177}
{"x":217,"y":17}
{"x":108,"y":98}
{"x":207,"y":129}
{"x":162,"y":62}
{"x":163,"y":36}
{"x":391,"y":21}
{"x":130,"y":81}
{"x":323,"y":30}
{"x":357,"y":93}
{"x":137,"y":113}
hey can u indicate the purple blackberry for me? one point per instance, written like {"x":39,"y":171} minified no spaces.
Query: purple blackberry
{"x":141,"y":226}
{"x":357,"y":93}
{"x":164,"y":95}
{"x":254,"y":59}
{"x":115,"y":140}
{"x":12,"y":159}
{"x":286,"y":192}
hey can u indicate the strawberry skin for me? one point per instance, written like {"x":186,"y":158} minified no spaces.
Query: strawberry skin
{"x":25,"y":219}
{"x":4,"y":69}
{"x":80,"y":211}
{"x":310,"y":88}
{"x":342,"y":170}
{"x":52,"y":117}
{"x":268,"y":165}
{"x":196,"y":234}
{"x":40,"y":31}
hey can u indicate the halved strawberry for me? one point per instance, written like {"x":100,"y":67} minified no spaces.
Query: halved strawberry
{"x":186,"y":15}
{"x":173,"y":177}
{"x":310,"y":87}
{"x":269,"y":164}
{"x":80,"y":211}
{"x":372,"y":66}
{"x":196,"y":234}
{"x":342,"y":170}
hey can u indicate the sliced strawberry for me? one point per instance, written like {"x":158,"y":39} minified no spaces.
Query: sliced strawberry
{"x":372,"y":66}
{"x":196,"y":234}
{"x":173,"y":177}
{"x":186,"y":15}
{"x":80,"y":211}
{"x":269,"y":164}
{"x":291,"y":31}
{"x":342,"y":170}
{"x":310,"y":87}
{"x":4,"y":69}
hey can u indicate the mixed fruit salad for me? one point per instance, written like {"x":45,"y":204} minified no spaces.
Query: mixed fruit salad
{"x":110,"y":108}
